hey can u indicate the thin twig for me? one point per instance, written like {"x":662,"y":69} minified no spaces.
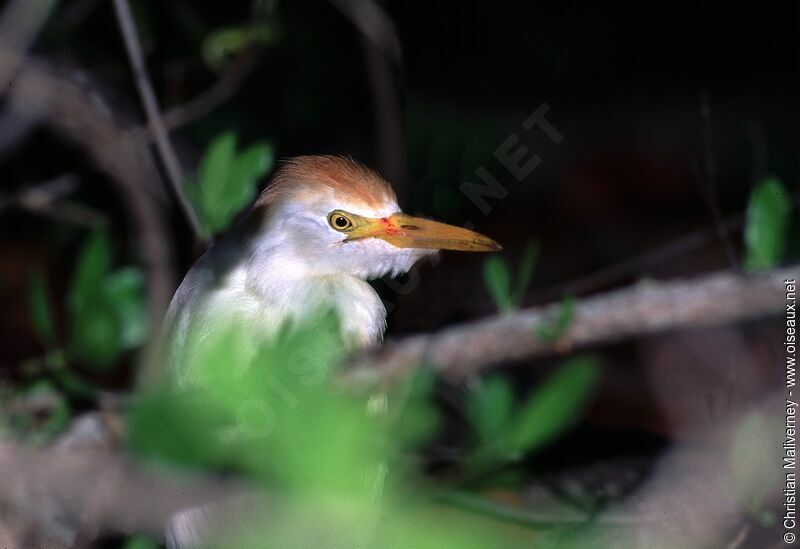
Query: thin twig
{"x":644,"y":308}
{"x":45,"y":199}
{"x":204,"y":103}
{"x":150,"y":103}
{"x":224,"y":87}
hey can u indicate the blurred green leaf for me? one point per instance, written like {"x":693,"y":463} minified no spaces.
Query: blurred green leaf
{"x":750,"y":463}
{"x":550,"y":333}
{"x":525,"y":272}
{"x":124,"y":290}
{"x":416,"y":418}
{"x":489,"y":408}
{"x":140,"y":542}
{"x":39,"y":307}
{"x":498,"y":282}
{"x":497,"y":277}
{"x":94,"y":336}
{"x":222,"y":44}
{"x":768,"y":213}
{"x":554,"y":407}
{"x":227,"y":180}
{"x":107,"y":310}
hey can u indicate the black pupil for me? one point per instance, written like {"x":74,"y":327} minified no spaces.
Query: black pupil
{"x":341,"y":222}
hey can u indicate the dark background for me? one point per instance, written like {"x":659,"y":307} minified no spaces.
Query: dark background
{"x":625,"y":85}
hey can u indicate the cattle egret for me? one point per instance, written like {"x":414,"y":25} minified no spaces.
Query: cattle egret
{"x":313,"y":238}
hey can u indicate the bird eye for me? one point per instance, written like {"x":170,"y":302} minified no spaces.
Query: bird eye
{"x":339,"y":221}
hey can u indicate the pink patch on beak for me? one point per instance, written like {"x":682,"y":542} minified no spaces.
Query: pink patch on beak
{"x":388,"y":226}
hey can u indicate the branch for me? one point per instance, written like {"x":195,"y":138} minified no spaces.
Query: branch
{"x":645,"y":308}
{"x":150,"y":103}
{"x":87,"y":488}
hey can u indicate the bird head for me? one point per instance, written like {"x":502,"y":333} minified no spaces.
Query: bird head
{"x":329,"y":215}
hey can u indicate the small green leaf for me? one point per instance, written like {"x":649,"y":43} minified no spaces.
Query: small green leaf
{"x":222,"y":44}
{"x":498,"y":282}
{"x":489,"y":408}
{"x":768,"y":213}
{"x":124,"y":290}
{"x":749,"y":462}
{"x":95,"y":336}
{"x":525,"y":272}
{"x":554,"y":407}
{"x":39,"y":307}
{"x":140,"y":542}
{"x":550,"y":333}
{"x":215,"y":169}
{"x":227,"y":180}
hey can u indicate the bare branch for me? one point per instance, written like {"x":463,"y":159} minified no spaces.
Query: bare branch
{"x":222,"y":90}
{"x":645,"y":308}
{"x":63,"y":489}
{"x":20,"y":23}
{"x":150,"y":103}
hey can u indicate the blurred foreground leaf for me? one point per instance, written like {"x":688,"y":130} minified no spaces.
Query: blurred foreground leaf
{"x":768,"y":214}
{"x":335,"y":467}
{"x":750,"y":464}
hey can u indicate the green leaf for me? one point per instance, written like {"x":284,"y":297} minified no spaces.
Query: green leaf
{"x":140,"y":542}
{"x":95,"y":336}
{"x":554,"y":407}
{"x":124,"y":291}
{"x":550,"y":333}
{"x":525,"y":272}
{"x":227,"y":180}
{"x":214,"y":170}
{"x":489,"y":408}
{"x":222,"y":44}
{"x":94,"y":262}
{"x":498,"y":282}
{"x":749,"y":462}
{"x":39,"y":308}
{"x":768,"y":213}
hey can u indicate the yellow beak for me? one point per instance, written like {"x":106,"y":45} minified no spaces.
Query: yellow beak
{"x":405,"y":231}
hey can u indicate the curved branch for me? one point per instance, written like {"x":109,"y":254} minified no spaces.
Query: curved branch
{"x":645,"y":308}
{"x":64,"y":107}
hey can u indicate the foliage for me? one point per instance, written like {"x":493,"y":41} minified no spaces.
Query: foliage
{"x":222,"y":44}
{"x":497,"y":276}
{"x":748,"y":462}
{"x":227,"y":180}
{"x":505,"y":433}
{"x":768,"y":214}
{"x":334,"y":466}
{"x":105,"y":308}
